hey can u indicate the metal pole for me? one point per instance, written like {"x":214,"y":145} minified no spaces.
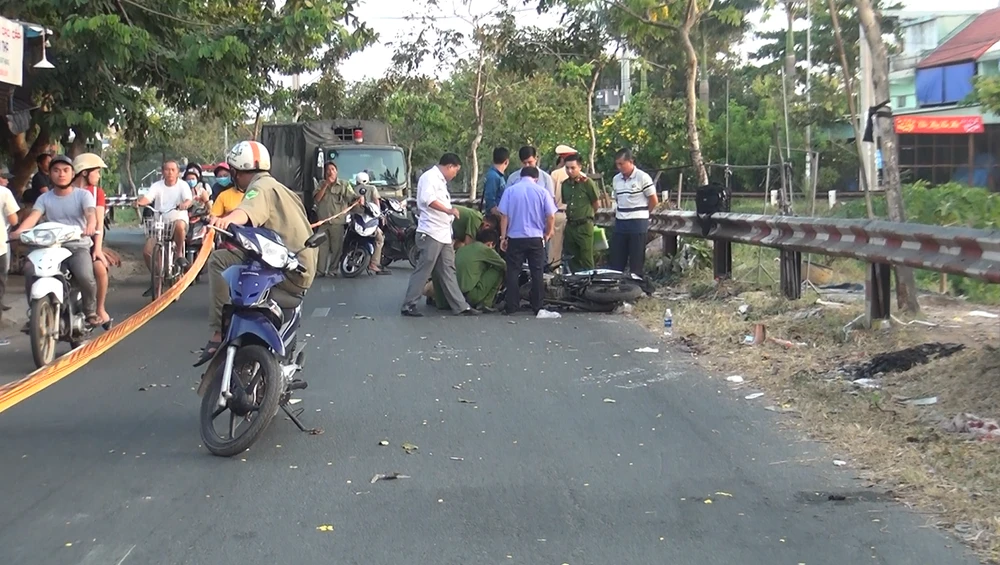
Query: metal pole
{"x":809,"y":94}
{"x":866,"y":101}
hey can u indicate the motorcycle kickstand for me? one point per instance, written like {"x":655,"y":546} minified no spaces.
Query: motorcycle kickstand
{"x":294,"y":417}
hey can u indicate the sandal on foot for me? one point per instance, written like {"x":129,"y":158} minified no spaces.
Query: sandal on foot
{"x":211,"y":348}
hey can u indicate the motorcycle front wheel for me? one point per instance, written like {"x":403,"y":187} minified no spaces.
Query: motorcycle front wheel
{"x":355,"y":262}
{"x":612,"y":294}
{"x":156,"y":271}
{"x":44,"y":331}
{"x":256,"y":387}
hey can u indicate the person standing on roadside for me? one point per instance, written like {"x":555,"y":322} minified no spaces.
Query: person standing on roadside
{"x":40,"y":181}
{"x":494,"y":184}
{"x":527,"y":221}
{"x":558,"y":177}
{"x":332,"y":198}
{"x":434,"y":239}
{"x":581,"y":197}
{"x":8,"y":219}
{"x":635,"y":198}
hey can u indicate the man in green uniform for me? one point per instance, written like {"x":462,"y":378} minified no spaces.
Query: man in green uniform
{"x":266,"y":204}
{"x":480,"y":271}
{"x":332,"y":198}
{"x":580,"y":195}
{"x":466,"y":226}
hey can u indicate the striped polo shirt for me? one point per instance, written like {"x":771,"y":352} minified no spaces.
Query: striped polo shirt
{"x":632,"y":195}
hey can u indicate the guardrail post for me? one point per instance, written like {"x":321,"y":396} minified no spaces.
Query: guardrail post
{"x":722,"y":259}
{"x":669,"y":242}
{"x":877,"y":292}
{"x":791,"y":274}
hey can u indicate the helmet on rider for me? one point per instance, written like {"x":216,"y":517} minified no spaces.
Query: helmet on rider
{"x":247,"y":157}
{"x":60,"y":159}
{"x":88,"y":161}
{"x":223,"y":166}
{"x":361,"y":178}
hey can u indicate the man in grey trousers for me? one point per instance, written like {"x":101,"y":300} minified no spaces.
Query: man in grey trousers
{"x":437,"y":255}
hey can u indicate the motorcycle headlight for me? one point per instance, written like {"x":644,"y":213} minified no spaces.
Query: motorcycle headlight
{"x":247,"y":243}
{"x":40,"y":238}
{"x":366,"y":231}
{"x":273,"y":254}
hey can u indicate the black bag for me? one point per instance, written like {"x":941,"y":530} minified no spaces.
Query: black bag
{"x":710,"y":199}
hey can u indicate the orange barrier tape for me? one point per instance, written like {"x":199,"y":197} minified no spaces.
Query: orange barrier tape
{"x":17,"y":391}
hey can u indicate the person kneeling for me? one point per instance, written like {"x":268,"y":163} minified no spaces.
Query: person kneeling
{"x":480,"y":271}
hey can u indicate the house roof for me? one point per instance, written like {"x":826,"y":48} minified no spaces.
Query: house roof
{"x":969,"y":44}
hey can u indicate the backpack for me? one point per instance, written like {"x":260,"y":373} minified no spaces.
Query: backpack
{"x":710,"y":199}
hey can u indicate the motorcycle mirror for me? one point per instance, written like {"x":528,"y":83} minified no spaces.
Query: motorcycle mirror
{"x":362,"y":191}
{"x":317,"y":239}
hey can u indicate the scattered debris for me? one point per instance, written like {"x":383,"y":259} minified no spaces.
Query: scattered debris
{"x":822,"y":302}
{"x":811,"y":313}
{"x":754,"y":396}
{"x":409,"y":448}
{"x":466,"y":401}
{"x":735,"y":379}
{"x":972,"y":424}
{"x":4,"y":342}
{"x":609,"y":400}
{"x":457,"y":458}
{"x":785,"y":343}
{"x":902,"y":360}
{"x":839,"y":463}
{"x":647,"y":350}
{"x":981,"y":314}
{"x":744,"y":309}
{"x":384,"y":442}
{"x":922,"y":401}
{"x":362,"y":317}
{"x":544,"y":314}
{"x":867,"y":383}
{"x":324,"y":528}
{"x":726,"y":494}
{"x":388,"y":477}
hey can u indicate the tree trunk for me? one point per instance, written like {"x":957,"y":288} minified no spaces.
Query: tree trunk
{"x":790,"y":45}
{"x":591,"y":130}
{"x":477,"y":101}
{"x":23,"y":154}
{"x":130,"y":182}
{"x":849,"y":88}
{"x":691,"y":94}
{"x":906,"y":287}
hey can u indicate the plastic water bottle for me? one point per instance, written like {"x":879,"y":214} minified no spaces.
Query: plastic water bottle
{"x":668,"y":323}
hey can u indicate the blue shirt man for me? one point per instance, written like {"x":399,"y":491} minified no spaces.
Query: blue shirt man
{"x":526,"y":224}
{"x":495,"y":182}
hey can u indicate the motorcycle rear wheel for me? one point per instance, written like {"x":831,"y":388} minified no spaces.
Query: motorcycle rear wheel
{"x":265,"y":402}
{"x":624,"y":292}
{"x":44,"y":331}
{"x":156,"y":271}
{"x":412,"y":253}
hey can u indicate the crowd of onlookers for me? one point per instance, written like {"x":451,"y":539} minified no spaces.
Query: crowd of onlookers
{"x":530,"y":215}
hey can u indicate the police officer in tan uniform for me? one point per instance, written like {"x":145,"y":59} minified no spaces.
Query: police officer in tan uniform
{"x":266,"y":204}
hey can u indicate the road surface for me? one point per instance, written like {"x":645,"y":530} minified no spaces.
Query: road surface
{"x":105,"y":468}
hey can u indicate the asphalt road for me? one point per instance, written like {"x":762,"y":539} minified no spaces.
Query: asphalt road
{"x":541,"y":469}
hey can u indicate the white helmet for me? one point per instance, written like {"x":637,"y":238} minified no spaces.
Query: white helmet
{"x":249,"y":156}
{"x":361,"y":178}
{"x":87,"y":161}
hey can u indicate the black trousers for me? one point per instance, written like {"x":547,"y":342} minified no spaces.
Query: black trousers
{"x":628,"y":249}
{"x":532,"y":249}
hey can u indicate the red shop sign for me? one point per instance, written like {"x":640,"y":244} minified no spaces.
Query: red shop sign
{"x":939,"y":124}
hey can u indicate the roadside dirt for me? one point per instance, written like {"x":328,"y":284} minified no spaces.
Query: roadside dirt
{"x":913,"y":404}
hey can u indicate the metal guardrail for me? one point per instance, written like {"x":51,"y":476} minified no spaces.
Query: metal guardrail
{"x":964,"y":252}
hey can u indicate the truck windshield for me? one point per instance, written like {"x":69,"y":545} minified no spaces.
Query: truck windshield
{"x":385,"y":167}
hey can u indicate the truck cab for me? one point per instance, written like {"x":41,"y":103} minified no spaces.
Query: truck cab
{"x":384,"y":164}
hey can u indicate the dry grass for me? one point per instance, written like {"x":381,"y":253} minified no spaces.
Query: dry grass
{"x":902,"y":448}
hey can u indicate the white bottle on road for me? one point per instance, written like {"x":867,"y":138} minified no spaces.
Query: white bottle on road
{"x":668,"y":323}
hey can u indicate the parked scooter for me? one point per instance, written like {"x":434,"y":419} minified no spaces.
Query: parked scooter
{"x":359,"y":243}
{"x":251,"y":373}
{"x":56,"y":302}
{"x":400,"y":231}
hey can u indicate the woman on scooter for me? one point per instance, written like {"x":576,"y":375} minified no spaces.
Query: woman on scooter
{"x":87,"y":168}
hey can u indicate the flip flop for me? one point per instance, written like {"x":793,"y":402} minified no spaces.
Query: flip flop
{"x":209,"y":351}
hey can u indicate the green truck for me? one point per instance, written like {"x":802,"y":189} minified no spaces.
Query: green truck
{"x":298,"y":151}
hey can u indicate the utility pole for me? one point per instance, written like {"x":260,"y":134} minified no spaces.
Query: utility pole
{"x":626,"y":77}
{"x":866,"y":100}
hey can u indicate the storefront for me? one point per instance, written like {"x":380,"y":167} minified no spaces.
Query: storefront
{"x":949,"y":148}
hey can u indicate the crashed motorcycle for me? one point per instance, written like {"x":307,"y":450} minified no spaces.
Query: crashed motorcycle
{"x":400,"y":230}
{"x":593,"y":290}
{"x":251,"y":373}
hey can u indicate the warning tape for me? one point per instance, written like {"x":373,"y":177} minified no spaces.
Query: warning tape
{"x":18,"y":391}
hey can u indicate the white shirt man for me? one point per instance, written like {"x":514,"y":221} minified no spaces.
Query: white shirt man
{"x":635,"y":197}
{"x":437,"y":254}
{"x":8,"y":218}
{"x":168,"y":199}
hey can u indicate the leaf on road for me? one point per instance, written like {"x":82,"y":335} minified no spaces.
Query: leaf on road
{"x":409,"y":447}
{"x":466,"y":401}
{"x":389,"y":477}
{"x":325,"y":528}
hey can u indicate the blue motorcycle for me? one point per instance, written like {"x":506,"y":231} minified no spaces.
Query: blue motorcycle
{"x":251,"y":374}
